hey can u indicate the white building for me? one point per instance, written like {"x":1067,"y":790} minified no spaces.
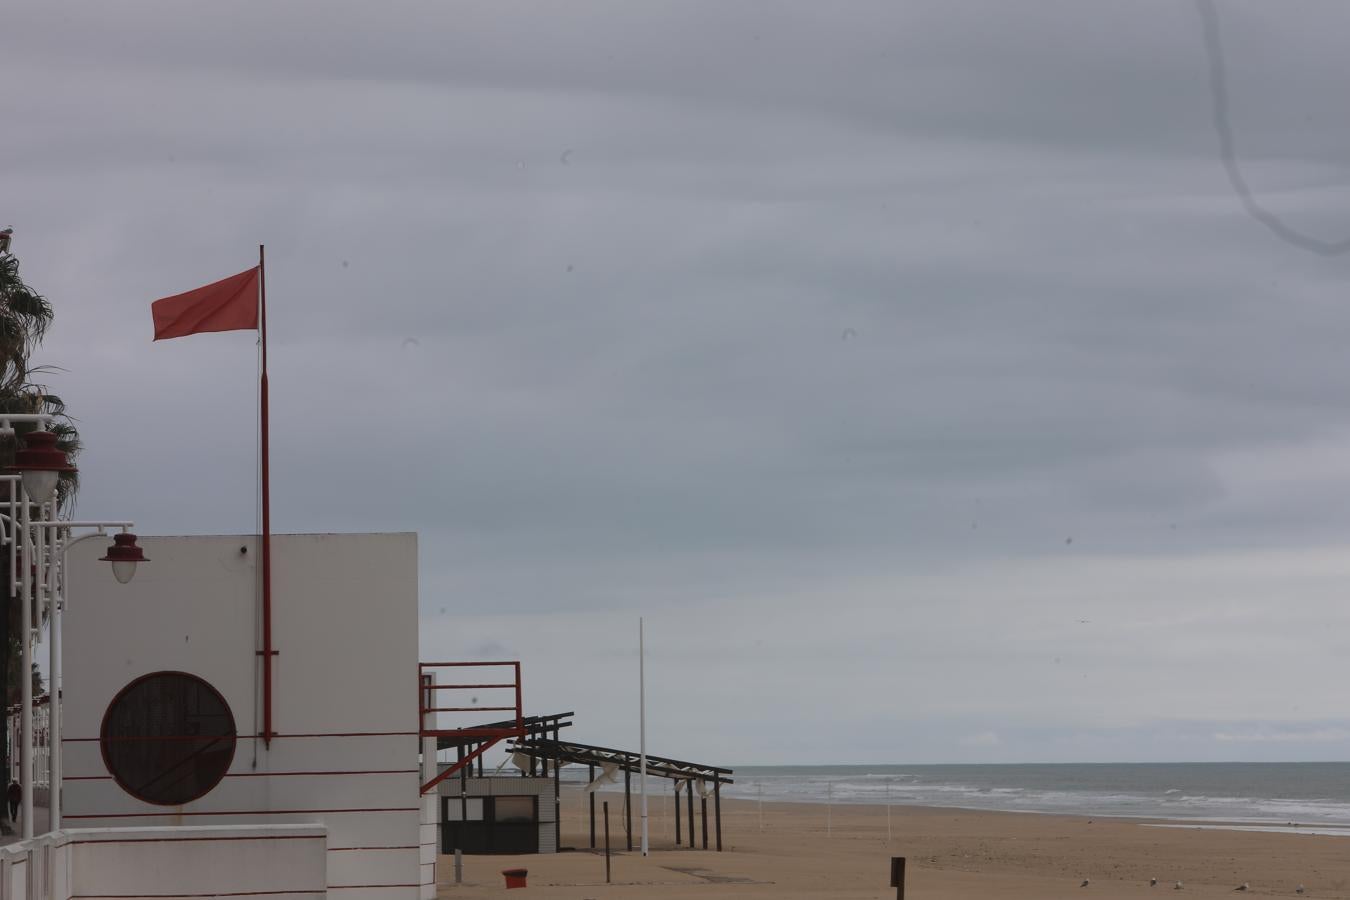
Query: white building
{"x":176,"y":650}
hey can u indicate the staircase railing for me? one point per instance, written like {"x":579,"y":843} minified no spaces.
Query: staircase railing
{"x":441,"y":704}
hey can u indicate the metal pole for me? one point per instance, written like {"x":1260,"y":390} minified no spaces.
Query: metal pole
{"x":459,"y":865}
{"x":266,"y":469}
{"x":606,"y":842}
{"x":26,"y":664}
{"x":888,"y":811}
{"x":829,"y":808}
{"x":57,"y":574}
{"x":60,"y":553}
{"x":642,"y":731}
{"x":39,"y":570}
{"x":9,"y":493}
{"x":759,"y":789}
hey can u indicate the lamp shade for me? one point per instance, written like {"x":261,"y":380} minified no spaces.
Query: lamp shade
{"x":124,"y":554}
{"x":40,"y":462}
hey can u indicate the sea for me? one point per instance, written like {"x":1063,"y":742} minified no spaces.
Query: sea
{"x":1305,"y":797}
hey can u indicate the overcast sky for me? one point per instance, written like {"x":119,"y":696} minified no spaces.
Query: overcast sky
{"x":913,"y":368}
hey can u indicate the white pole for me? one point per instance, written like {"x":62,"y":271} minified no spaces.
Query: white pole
{"x":55,"y":590}
{"x":829,"y":808}
{"x":39,"y":599}
{"x":759,"y":789}
{"x":25,"y":664}
{"x":888,"y":810}
{"x":642,"y":732}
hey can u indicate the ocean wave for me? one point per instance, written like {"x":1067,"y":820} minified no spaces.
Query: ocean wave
{"x":1114,"y":790}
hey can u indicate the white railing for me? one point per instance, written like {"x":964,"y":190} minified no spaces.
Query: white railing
{"x":36,"y":869}
{"x":42,"y":751}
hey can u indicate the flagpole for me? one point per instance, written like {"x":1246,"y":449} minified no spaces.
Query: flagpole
{"x":265,"y":449}
{"x":642,"y":731}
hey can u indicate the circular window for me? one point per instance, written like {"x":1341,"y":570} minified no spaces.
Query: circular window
{"x":168,"y":738}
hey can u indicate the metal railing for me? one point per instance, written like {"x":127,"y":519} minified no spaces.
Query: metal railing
{"x":440,"y":705}
{"x":42,"y":750}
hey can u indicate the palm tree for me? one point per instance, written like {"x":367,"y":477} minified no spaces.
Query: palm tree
{"x":25,"y":316}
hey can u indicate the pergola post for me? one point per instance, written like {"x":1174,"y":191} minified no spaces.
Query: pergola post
{"x":703,"y":801}
{"x":628,"y":806}
{"x":591,"y":794}
{"x":689,"y":793}
{"x":557,"y":797}
{"x":717,"y":810}
{"x":463,"y":792}
{"x":676,"y":783}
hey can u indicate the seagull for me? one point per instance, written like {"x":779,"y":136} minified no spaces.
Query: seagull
{"x":1086,"y":882}
{"x":1153,"y":882}
{"x":1177,"y":886}
{"x":1242,"y":887}
{"x":1299,"y":889}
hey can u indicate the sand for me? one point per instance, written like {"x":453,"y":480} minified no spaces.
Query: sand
{"x":951,"y":854}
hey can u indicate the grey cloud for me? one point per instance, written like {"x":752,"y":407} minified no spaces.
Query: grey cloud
{"x":817,"y":300}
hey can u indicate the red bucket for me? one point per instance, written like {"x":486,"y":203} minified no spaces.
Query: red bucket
{"x":515,"y":877}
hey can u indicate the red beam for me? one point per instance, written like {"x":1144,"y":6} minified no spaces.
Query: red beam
{"x":459,"y":764}
{"x":456,"y":687}
{"x":427,"y":665}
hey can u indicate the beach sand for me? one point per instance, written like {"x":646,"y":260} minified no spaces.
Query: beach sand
{"x":951,"y":853}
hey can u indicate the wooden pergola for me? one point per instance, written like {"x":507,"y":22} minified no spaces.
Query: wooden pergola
{"x":540,"y":746}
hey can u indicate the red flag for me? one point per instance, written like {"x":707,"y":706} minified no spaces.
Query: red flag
{"x":230,"y":304}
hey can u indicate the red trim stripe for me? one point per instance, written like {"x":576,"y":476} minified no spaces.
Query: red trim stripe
{"x":335,"y":772}
{"x":318,"y":893}
{"x":242,"y":812}
{"x":248,"y":737}
{"x":270,"y":774}
{"x":178,"y":840}
{"x":348,"y":887}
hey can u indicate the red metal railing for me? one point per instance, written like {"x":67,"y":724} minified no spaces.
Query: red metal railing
{"x":431,"y":697}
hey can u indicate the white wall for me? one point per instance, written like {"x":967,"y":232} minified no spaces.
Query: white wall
{"x":284,"y":861}
{"x":345,"y":688}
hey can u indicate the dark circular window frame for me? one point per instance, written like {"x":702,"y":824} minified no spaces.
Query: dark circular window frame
{"x":129,"y":686}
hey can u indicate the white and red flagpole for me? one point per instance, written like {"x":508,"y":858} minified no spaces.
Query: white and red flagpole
{"x":266,"y":471}
{"x":642,"y":732}
{"x":229,"y":305}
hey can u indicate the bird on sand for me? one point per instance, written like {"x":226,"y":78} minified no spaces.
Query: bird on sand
{"x":1153,"y":882}
{"x":1299,"y":889}
{"x":1177,"y":886}
{"x":1086,"y":882}
{"x":1242,"y":887}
